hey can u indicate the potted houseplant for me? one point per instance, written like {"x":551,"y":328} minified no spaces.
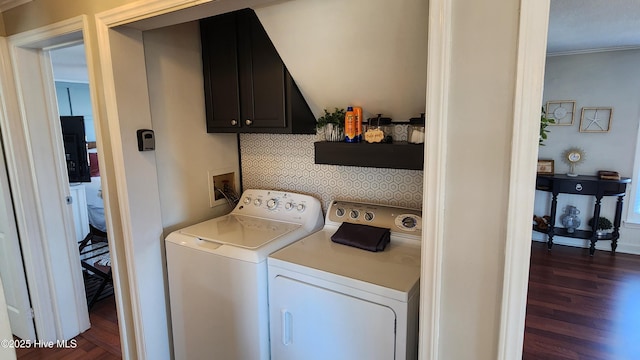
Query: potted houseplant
{"x":544,"y":122}
{"x":332,"y":125}
{"x":604,"y":224}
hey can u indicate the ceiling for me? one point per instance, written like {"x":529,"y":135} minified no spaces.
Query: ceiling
{"x":577,"y":26}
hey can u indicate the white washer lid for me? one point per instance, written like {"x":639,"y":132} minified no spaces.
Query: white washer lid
{"x":241,"y":231}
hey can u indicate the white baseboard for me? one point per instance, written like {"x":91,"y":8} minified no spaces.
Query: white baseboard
{"x":633,"y":249}
{"x":628,"y":248}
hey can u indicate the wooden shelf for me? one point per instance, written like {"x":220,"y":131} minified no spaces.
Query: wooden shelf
{"x":577,"y":234}
{"x":397,"y":155}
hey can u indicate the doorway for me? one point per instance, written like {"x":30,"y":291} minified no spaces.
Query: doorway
{"x":596,"y":68}
{"x":38,"y":175}
{"x":70,"y":75}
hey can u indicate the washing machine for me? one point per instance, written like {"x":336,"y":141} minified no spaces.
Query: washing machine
{"x":217,"y":272}
{"x":333,"y":301}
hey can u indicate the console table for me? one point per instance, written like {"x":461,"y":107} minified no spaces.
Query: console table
{"x":583,"y":185}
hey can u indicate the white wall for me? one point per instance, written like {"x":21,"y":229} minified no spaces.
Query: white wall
{"x":184,"y":150}
{"x":478,"y":150}
{"x":607,"y":79}
{"x":138,"y":196}
{"x":371,"y":53}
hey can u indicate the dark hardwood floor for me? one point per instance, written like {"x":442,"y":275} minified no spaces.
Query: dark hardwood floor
{"x":101,"y":341}
{"x":581,"y":306}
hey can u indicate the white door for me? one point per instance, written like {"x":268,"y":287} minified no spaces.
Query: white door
{"x":310,"y":322}
{"x":11,"y":267}
{"x":31,"y":127}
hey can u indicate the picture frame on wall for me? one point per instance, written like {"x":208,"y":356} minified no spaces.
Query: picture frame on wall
{"x":545,"y":167}
{"x":561,"y":111}
{"x":596,"y":119}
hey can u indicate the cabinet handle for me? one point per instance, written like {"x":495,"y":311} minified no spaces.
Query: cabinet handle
{"x":234,"y":122}
{"x":248,"y":122}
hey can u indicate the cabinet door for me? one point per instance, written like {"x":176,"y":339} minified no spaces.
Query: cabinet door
{"x":220,"y":65}
{"x":261,"y":75}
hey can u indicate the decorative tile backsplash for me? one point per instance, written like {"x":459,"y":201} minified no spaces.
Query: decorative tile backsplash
{"x":286,"y":163}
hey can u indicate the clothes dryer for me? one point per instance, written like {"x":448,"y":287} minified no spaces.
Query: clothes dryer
{"x":332,"y":301}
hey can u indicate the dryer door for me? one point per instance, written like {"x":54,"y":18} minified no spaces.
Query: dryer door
{"x":311,"y":322}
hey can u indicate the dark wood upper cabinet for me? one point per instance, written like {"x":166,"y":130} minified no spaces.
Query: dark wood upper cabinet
{"x":247,"y":86}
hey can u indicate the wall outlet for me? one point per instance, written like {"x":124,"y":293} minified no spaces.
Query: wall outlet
{"x":219,"y":183}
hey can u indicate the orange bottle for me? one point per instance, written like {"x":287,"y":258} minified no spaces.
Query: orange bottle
{"x":358,"y":113}
{"x":350,"y":126}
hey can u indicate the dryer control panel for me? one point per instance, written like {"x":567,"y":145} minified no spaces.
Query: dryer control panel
{"x":398,"y":219}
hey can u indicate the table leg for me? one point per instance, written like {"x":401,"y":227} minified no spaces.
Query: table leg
{"x":594,"y":227}
{"x":616,"y":224}
{"x":552,"y":221}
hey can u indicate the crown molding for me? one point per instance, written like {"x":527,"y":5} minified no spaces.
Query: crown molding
{"x":10,"y":4}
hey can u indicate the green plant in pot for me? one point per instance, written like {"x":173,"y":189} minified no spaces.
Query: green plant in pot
{"x":544,"y":122}
{"x":332,"y":125}
{"x":604,"y":225}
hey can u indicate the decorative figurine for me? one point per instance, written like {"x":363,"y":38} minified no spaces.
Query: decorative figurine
{"x":570,"y":219}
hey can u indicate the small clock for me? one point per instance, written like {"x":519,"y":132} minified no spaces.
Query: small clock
{"x":573,"y":157}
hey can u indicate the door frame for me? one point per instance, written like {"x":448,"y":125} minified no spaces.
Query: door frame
{"x":531,"y":52}
{"x":531,"y":61}
{"x":533,"y":19}
{"x":57,"y":315}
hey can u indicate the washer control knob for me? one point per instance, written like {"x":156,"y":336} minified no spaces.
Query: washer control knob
{"x":409,"y":222}
{"x":340,"y":212}
{"x":354,"y":214}
{"x":247,"y":200}
{"x":368,"y":216}
{"x":300,"y":207}
{"x":272,"y":204}
{"x":257,"y":202}
{"x":288,"y":206}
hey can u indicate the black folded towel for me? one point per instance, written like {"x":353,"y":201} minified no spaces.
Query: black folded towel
{"x":362,"y":236}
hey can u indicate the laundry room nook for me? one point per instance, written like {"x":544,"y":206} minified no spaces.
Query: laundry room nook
{"x":274,"y":169}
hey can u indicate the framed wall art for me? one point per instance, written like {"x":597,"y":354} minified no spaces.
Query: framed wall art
{"x":561,"y":111}
{"x":596,"y":119}
{"x":545,"y":167}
